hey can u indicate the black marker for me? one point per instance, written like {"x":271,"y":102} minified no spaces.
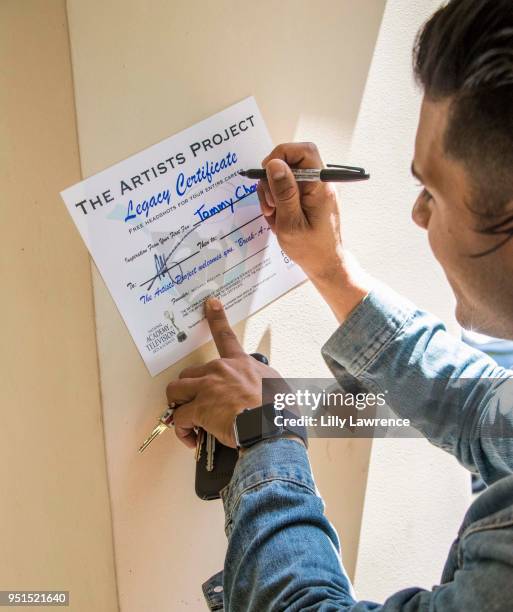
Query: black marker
{"x":332,"y":174}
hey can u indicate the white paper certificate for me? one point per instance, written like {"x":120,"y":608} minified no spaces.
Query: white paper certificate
{"x":175,"y":223}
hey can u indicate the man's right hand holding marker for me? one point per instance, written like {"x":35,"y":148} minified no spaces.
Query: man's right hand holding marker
{"x":305,"y":218}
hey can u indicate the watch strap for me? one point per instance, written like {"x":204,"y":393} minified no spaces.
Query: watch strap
{"x":256,"y":424}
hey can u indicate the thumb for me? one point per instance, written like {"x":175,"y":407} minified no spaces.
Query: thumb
{"x":284,"y":190}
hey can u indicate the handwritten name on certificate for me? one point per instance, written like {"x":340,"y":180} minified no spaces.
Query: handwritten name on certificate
{"x":175,"y":224}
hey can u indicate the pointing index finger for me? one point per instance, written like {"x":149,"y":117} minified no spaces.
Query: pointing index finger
{"x":223,"y":335}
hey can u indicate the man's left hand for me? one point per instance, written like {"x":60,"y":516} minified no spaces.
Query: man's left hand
{"x":212,"y":395}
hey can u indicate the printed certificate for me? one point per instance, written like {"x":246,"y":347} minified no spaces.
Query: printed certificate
{"x":174,"y":224}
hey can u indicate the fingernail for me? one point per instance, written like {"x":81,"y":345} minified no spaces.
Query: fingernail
{"x":270,"y":201}
{"x":278,"y":175}
{"x":214,"y":304}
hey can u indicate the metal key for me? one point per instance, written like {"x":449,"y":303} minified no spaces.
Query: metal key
{"x":211,"y":449}
{"x":199,"y":443}
{"x":165,"y":421}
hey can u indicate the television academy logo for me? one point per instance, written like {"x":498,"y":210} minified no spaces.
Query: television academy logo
{"x":164,"y":334}
{"x":181,"y":336}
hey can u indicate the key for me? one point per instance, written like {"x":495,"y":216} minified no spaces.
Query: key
{"x":207,"y":448}
{"x":212,"y":452}
{"x":165,"y":421}
{"x":211,"y":449}
{"x":199,"y":443}
{"x":208,"y":451}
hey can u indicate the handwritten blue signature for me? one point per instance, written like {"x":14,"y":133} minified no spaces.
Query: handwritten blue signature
{"x":240,"y":193}
{"x":164,"y":272}
{"x":143,"y":208}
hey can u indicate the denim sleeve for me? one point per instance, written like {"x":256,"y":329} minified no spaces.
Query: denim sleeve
{"x":284,"y":556}
{"x":456,"y":396}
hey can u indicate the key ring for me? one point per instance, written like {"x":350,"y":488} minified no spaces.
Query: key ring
{"x":166,"y":418}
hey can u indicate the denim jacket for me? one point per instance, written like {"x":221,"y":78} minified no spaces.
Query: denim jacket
{"x":283,"y":554}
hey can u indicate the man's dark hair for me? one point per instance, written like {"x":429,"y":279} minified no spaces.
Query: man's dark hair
{"x":464,"y":53}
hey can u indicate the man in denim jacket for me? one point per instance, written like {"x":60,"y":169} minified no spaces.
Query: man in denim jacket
{"x":283,"y":554}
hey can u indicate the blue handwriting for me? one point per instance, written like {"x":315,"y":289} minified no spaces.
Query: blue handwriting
{"x":240,"y":193}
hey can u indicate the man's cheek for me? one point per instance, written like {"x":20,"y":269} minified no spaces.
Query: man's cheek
{"x":436,"y":244}
{"x":442,"y":241}
{"x":446,"y":249}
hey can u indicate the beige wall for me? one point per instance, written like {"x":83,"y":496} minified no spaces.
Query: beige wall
{"x":143,"y":71}
{"x":55,"y":528}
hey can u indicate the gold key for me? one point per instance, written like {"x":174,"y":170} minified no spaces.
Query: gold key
{"x":165,"y":421}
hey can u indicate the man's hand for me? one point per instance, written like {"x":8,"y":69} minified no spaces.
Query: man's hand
{"x":213,"y":394}
{"x":301,"y":214}
{"x":305,"y":218}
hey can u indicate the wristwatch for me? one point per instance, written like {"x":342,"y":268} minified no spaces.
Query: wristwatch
{"x":256,"y":424}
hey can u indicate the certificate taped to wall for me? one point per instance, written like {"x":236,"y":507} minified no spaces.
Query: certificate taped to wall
{"x":175,"y":224}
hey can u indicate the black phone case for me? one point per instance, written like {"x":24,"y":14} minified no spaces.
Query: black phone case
{"x":208,"y":484}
